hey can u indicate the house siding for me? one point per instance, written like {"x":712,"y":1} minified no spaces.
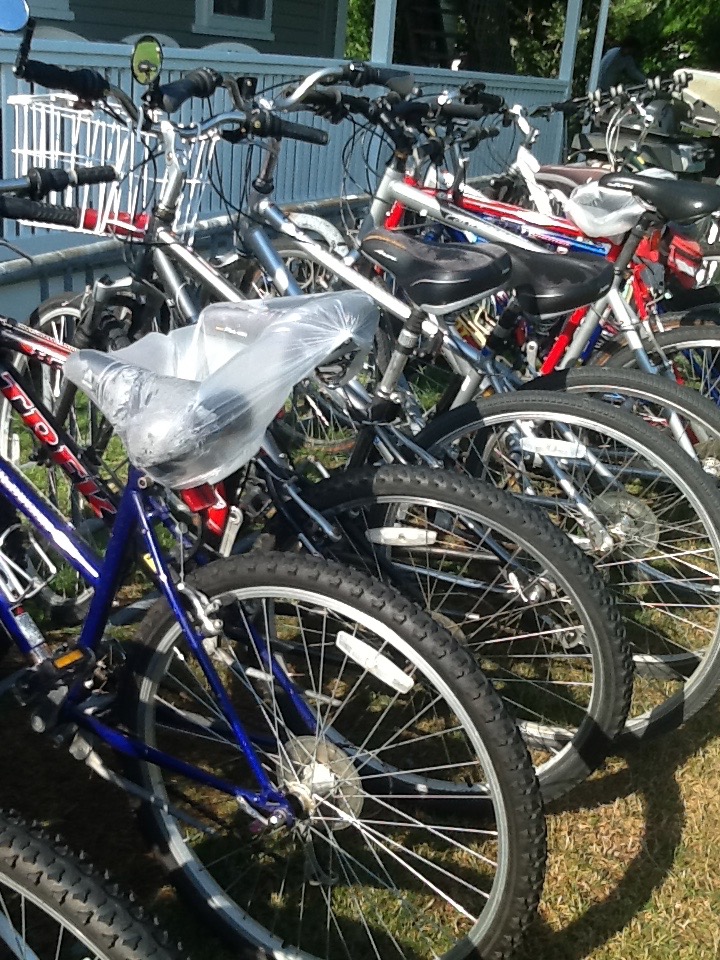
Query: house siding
{"x":300,"y":27}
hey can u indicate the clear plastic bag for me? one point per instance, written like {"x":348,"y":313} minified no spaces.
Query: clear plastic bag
{"x":600,"y":212}
{"x":193,"y":406}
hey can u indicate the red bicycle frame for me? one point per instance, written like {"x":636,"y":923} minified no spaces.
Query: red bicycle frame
{"x":552,"y":230}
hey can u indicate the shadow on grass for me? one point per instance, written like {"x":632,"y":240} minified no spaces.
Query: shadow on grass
{"x":651,"y":773}
{"x":47,"y":785}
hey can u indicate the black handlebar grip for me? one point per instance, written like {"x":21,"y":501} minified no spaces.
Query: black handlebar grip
{"x":198,"y":83}
{"x":359,"y":74}
{"x":493,"y":102}
{"x":330,"y":98}
{"x":567,"y":106}
{"x":473,"y":136}
{"x":85,"y":84}
{"x":42,"y":181}
{"x":361,"y":105}
{"x":472,"y":111}
{"x":328,"y":103}
{"x":45,"y":180}
{"x":87,"y":175}
{"x":266,"y":124}
{"x":18,"y":208}
{"x":24,"y":49}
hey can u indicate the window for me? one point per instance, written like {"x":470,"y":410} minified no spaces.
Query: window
{"x":250,"y":19}
{"x":51,"y":10}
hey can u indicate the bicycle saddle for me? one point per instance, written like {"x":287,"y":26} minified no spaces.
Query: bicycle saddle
{"x":548,"y":284}
{"x":439,"y":277}
{"x":193,"y":406}
{"x":565,"y":177}
{"x":679,"y":200}
{"x":601,"y":212}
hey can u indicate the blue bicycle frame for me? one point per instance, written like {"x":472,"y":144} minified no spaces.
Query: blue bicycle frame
{"x":136,"y":512}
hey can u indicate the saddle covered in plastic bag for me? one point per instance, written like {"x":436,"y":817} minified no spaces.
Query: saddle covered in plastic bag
{"x":193,"y":406}
{"x":600,"y":211}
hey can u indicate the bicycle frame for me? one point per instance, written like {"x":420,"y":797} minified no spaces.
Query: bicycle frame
{"x":133,"y":515}
{"x":397,"y":191}
{"x":164,"y":248}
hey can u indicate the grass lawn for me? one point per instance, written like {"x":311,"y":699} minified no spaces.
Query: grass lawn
{"x":633,"y":872}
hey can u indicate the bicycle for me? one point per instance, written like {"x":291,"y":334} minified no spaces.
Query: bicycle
{"x":568,"y":734}
{"x":222,"y":672}
{"x":681,"y":482}
{"x":222,"y":662}
{"x":611,"y":477}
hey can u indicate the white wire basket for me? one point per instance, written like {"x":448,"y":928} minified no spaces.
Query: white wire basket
{"x":56,"y":130}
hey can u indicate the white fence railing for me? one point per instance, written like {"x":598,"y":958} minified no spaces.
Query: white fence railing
{"x":305,"y":173}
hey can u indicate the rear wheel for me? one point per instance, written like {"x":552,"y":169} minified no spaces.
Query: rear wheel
{"x":653,"y":398}
{"x":417,"y":827}
{"x":647,"y":515}
{"x":694,"y":353}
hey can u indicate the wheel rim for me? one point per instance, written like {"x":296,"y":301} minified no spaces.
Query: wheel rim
{"x":350,"y":909}
{"x":498,"y":599}
{"x":671,"y":627}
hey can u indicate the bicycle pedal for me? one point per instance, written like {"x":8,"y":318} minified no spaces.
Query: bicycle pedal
{"x":60,"y":672}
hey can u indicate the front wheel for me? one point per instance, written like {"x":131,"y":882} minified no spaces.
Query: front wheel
{"x":418,"y":828}
{"x":54,"y":907}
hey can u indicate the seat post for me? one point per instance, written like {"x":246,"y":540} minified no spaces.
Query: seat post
{"x":647,"y":222}
{"x":406,"y":344}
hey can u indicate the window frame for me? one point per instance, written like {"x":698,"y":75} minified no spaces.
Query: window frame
{"x":222,"y":25}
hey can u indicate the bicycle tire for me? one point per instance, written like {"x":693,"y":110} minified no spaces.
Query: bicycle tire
{"x":700,"y":317}
{"x":364,"y":504}
{"x":649,"y":396}
{"x":42,"y":885}
{"x":693,"y":351}
{"x":675,"y":676}
{"x":56,"y":316}
{"x":476,"y":713}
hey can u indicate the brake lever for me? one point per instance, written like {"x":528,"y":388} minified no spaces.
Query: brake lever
{"x":458,"y":184}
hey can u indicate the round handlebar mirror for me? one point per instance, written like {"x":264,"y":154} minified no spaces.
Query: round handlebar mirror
{"x":14,"y":14}
{"x":146,"y":60}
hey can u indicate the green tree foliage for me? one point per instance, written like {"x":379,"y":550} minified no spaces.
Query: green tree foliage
{"x":673,"y":33}
{"x":359,"y":29}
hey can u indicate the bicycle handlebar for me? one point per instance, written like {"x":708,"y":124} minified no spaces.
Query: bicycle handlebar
{"x":361,"y":74}
{"x":357,"y":74}
{"x":85,"y":84}
{"x":473,"y":136}
{"x":199,"y":83}
{"x":44,"y":180}
{"x":20,"y":208}
{"x":263,"y":123}
{"x":418,"y":110}
{"x":40,"y":181}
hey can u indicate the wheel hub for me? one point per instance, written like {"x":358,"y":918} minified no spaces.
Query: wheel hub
{"x":629,"y":521}
{"x":323,"y":779}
